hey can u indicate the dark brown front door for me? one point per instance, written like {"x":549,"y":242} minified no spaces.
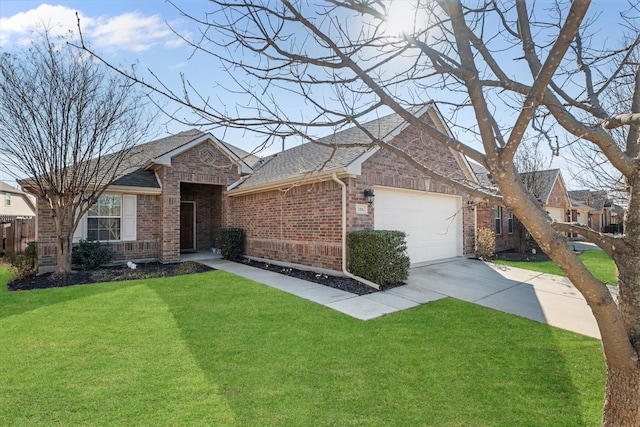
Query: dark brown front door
{"x":187,"y":226}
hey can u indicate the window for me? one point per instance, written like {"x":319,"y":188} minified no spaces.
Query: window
{"x":510,"y":222}
{"x":498,"y":215}
{"x":104,"y":218}
{"x":7,"y":199}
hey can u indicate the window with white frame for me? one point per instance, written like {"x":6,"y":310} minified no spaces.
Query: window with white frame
{"x":498,"y":217}
{"x":7,"y":199}
{"x":510,"y":222}
{"x":104,"y":218}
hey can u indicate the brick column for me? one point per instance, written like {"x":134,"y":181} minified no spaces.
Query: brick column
{"x":169,"y":250}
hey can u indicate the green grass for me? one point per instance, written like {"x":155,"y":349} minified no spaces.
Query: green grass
{"x":598,"y":263}
{"x":215,"y":349}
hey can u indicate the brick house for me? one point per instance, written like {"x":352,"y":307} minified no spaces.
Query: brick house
{"x":547,"y":186}
{"x":180,"y":190}
{"x":595,"y":209}
{"x":170,"y":199}
{"x":14,"y":204}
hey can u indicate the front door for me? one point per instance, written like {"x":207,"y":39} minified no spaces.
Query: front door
{"x":187,"y":226}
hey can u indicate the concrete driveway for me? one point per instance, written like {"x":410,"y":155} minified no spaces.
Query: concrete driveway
{"x":541,"y":297}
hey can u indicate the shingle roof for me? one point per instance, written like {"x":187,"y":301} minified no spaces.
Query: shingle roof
{"x":6,"y":188}
{"x":134,"y":173}
{"x":482,"y":175}
{"x":540,"y":182}
{"x":594,"y":199}
{"x":311,"y":157}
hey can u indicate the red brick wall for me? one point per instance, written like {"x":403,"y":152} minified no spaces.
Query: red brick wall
{"x":145,"y":247}
{"x":301,"y":225}
{"x":486,"y":219}
{"x":558,"y":197}
{"x":486,"y":216}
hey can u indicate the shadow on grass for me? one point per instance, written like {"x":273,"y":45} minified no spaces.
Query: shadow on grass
{"x":18,"y":302}
{"x":281,"y":360}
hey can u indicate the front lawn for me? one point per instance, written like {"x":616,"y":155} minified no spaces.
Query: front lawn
{"x":598,"y":263}
{"x":215,"y":349}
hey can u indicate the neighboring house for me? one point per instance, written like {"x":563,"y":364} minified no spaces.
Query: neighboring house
{"x":14,"y":204}
{"x":547,"y":186}
{"x":595,"y":209}
{"x":17,"y":213}
{"x":180,"y":190}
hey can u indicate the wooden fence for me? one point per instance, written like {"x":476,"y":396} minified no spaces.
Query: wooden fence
{"x":17,"y":233}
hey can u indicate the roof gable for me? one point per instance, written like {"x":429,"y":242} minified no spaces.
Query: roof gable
{"x":165,"y":158}
{"x":18,"y":194}
{"x":541,"y":183}
{"x":138,"y":171}
{"x":344,"y":151}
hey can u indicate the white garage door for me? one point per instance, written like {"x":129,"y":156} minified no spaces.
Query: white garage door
{"x":432,"y":221}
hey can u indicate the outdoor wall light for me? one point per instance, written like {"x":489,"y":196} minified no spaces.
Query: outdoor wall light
{"x":471,"y":204}
{"x":368,"y":194}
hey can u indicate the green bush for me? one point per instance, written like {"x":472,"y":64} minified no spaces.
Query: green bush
{"x":231,"y":243}
{"x":486,"y":244}
{"x":91,"y":254}
{"x":379,"y":256}
{"x":24,"y":263}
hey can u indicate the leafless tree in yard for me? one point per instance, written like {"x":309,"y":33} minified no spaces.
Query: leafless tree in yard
{"x":67,"y":124}
{"x":528,"y":159}
{"x":501,"y":71}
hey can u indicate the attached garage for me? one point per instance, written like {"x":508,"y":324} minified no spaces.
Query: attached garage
{"x":433,"y":222}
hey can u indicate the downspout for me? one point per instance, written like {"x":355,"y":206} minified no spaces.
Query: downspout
{"x":475,"y":229}
{"x":344,"y":237}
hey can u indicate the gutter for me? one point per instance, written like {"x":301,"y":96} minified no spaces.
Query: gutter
{"x":344,"y":237}
{"x":298,"y":180}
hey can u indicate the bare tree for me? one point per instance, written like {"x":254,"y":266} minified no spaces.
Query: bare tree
{"x":66,"y":127}
{"x":341,"y":59}
{"x":528,"y":160}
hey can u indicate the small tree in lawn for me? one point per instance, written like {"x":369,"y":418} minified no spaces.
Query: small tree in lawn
{"x":68,"y":124}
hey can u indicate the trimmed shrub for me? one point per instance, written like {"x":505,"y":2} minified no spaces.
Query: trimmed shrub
{"x":24,"y":263}
{"x":91,"y":254}
{"x":231,"y":243}
{"x":379,"y":256}
{"x":486,"y":244}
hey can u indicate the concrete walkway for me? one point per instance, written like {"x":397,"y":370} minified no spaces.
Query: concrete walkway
{"x":541,"y":297}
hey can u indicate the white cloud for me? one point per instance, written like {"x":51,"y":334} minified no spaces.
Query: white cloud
{"x":58,"y":20}
{"x":179,"y":65}
{"x":131,"y":31}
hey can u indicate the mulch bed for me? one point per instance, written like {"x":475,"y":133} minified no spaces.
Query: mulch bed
{"x":106,"y":274}
{"x":514,"y":256}
{"x":343,"y":283}
{"x":156,"y":269}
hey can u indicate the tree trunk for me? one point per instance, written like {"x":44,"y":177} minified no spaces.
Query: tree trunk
{"x":63,"y":252}
{"x":622,"y":398}
{"x":62,"y":219}
{"x":622,"y":395}
{"x":520,"y":240}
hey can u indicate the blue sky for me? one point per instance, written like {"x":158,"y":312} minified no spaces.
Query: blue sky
{"x":136,"y":32}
